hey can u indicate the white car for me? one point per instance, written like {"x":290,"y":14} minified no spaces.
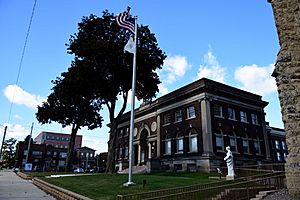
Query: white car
{"x":78,"y":170}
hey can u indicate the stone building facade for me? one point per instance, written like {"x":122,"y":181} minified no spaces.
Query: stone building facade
{"x":189,"y":129}
{"x":287,"y":74}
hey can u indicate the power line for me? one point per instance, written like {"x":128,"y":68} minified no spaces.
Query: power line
{"x":21,"y":61}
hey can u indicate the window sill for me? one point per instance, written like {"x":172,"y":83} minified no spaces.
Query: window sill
{"x":245,"y":122}
{"x":221,"y":151}
{"x":179,"y":153}
{"x":167,"y":154}
{"x":193,"y":152}
{"x":166,"y":124}
{"x":232,"y":119}
{"x":177,"y":121}
{"x":221,"y":117}
{"x":191,"y":118}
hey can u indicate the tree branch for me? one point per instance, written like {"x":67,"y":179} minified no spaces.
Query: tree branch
{"x":125,"y":97}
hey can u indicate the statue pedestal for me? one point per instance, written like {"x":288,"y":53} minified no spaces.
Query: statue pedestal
{"x":229,"y":178}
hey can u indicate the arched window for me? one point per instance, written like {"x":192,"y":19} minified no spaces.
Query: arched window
{"x":245,"y":140}
{"x":193,"y":141}
{"x":168,"y":145}
{"x":219,"y":140}
{"x":232,"y":141}
{"x":179,"y":142}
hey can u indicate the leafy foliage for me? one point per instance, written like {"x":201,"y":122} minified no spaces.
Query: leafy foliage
{"x":98,"y":48}
{"x":70,"y":105}
{"x":9,"y":152}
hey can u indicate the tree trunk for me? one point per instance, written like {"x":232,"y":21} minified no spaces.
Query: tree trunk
{"x":71,"y":149}
{"x":287,"y":74}
{"x":110,"y":165}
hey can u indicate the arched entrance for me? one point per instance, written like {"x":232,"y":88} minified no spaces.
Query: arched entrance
{"x":143,"y":146}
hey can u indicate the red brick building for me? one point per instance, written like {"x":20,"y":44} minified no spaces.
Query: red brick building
{"x":57,"y":140}
{"x":189,"y":129}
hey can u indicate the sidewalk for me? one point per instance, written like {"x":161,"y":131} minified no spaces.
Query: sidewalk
{"x":13,"y":187}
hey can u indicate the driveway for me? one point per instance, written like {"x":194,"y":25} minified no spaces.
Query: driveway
{"x":12,"y":187}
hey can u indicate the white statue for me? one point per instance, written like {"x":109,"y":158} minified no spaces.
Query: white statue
{"x":229,"y":162}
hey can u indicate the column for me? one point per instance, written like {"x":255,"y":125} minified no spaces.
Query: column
{"x":206,"y":127}
{"x":139,"y":153}
{"x":158,"y":136}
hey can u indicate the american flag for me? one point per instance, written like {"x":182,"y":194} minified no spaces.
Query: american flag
{"x":125,"y":20}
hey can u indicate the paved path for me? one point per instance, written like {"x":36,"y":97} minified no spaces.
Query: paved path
{"x":12,"y":187}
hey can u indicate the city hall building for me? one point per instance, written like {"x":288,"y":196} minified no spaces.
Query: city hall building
{"x":189,"y":129}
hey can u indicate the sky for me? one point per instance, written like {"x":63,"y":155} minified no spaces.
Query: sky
{"x":234,"y":42}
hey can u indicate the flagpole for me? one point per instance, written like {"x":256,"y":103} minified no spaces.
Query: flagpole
{"x":130,"y":182}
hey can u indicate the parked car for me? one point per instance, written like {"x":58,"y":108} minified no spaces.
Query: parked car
{"x":78,"y":170}
{"x":16,"y":169}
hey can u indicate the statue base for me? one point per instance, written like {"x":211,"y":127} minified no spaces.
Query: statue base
{"x":229,"y":178}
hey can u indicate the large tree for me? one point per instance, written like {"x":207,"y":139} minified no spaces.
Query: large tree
{"x":70,"y":104}
{"x":98,"y":48}
{"x":9,"y":152}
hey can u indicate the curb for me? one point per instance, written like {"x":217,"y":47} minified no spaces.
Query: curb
{"x":58,"y":192}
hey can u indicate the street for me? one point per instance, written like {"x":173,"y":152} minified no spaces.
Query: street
{"x":13,"y":187}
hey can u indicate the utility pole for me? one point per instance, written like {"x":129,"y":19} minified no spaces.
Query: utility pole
{"x":29,"y":141}
{"x":5,"y":129}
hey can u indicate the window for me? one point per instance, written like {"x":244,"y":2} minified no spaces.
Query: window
{"x":279,"y":157}
{"x":25,"y":152}
{"x":219,"y":140}
{"x":179,"y":143}
{"x":254,"y":119}
{"x":120,"y":152}
{"x":167,"y":118}
{"x":283,"y":145}
{"x":126,"y":151}
{"x":232,"y":143}
{"x":49,"y":153}
{"x":277,"y":144}
{"x":121,"y":133}
{"x":62,"y":154}
{"x":168,"y":145}
{"x":243,"y":116}
{"x":37,"y":153}
{"x":193,"y":141}
{"x":245,"y":140}
{"x":191,"y":112}
{"x":257,"y":146}
{"x":126,"y":131}
{"x":48,"y":137}
{"x":218,"y":111}
{"x":284,"y":156}
{"x":178,"y":116}
{"x":231,"y":114}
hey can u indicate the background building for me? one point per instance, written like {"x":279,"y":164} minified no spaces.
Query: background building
{"x":58,"y":140}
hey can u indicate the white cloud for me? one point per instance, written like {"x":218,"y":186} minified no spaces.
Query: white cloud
{"x":256,"y":79}
{"x":16,"y":131}
{"x":211,"y":68}
{"x":17,"y":116}
{"x":162,"y":89}
{"x":174,"y":67}
{"x":19,"y":96}
{"x":97,"y":143}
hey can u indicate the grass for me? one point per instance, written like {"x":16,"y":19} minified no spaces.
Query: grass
{"x":108,"y":186}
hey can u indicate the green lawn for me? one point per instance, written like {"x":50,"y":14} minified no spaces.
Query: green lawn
{"x":108,"y":186}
